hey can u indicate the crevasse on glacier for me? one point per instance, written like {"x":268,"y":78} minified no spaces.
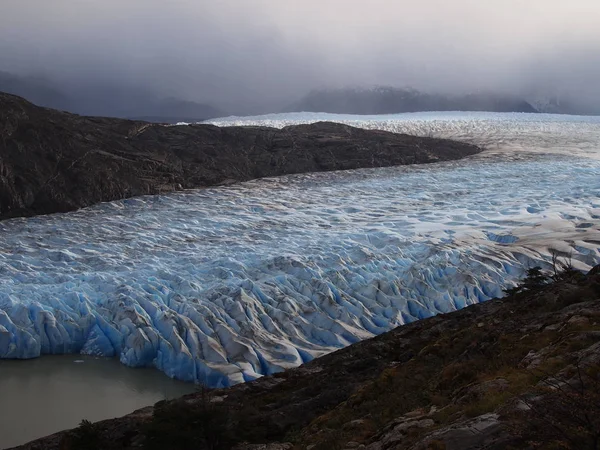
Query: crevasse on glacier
{"x":224,"y":285}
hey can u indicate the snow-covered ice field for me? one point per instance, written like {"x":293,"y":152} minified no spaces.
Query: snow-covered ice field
{"x":226,"y":284}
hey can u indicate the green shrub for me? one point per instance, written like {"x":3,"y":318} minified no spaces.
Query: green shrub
{"x":85,"y":437}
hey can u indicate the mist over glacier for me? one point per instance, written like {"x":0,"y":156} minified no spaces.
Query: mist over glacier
{"x":227,"y":284}
{"x":110,"y":56}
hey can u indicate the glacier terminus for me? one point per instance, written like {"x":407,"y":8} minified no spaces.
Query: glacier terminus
{"x":223,"y":285}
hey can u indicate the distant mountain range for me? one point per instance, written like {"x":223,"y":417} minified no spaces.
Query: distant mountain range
{"x":133,"y":102}
{"x":173,"y":110}
{"x":556,"y":105}
{"x":389,"y":100}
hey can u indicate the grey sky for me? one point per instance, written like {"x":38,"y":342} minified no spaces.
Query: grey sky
{"x":237,"y":52}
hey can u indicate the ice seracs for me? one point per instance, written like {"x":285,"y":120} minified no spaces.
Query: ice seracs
{"x":227,"y":284}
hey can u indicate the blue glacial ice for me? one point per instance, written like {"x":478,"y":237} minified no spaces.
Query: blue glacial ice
{"x":224,"y":285}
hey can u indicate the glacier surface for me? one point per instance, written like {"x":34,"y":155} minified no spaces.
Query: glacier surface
{"x":227,"y":284}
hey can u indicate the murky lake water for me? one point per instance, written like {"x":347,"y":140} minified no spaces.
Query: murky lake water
{"x":45,"y":395}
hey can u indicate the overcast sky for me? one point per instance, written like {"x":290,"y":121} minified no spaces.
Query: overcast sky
{"x":252,"y":51}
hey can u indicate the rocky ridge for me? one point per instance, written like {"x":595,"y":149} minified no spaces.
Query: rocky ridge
{"x":51,"y":161}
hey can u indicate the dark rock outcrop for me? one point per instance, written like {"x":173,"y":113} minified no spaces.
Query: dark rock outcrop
{"x":52,"y":161}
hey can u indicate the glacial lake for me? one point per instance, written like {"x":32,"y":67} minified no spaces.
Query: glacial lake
{"x":42,"y":396}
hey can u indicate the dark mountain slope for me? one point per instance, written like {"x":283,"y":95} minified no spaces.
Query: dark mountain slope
{"x":35,"y":89}
{"x":109,"y":100}
{"x":52,"y":161}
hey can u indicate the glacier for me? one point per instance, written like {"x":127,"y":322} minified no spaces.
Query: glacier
{"x":227,"y":284}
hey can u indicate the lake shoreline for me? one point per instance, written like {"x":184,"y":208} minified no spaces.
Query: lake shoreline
{"x":55,"y":392}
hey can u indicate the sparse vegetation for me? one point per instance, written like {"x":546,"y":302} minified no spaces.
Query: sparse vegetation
{"x":564,"y":411}
{"x":85,"y":437}
{"x":534,"y":281}
{"x":536,"y":278}
{"x":202,"y":424}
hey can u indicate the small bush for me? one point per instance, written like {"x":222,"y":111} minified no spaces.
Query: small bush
{"x":85,"y":437}
{"x":182,"y":425}
{"x":534,"y":281}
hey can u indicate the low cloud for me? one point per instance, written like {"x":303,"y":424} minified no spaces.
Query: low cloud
{"x":249,"y":54}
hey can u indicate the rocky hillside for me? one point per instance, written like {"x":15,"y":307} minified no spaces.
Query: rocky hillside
{"x":520,"y":372}
{"x":390,"y":100}
{"x":52,"y":161}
